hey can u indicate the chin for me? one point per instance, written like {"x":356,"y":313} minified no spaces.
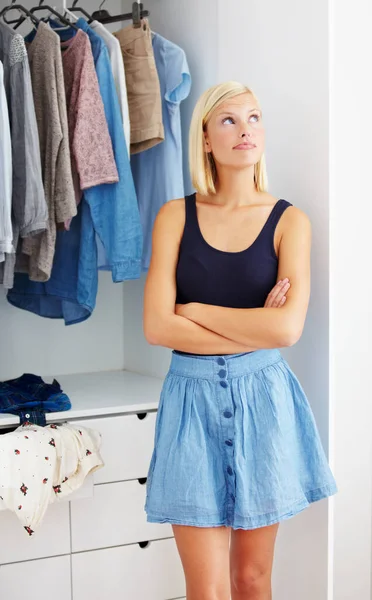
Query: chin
{"x":243,"y":164}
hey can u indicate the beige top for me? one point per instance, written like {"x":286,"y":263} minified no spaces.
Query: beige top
{"x":143,"y":87}
{"x":46,"y":68}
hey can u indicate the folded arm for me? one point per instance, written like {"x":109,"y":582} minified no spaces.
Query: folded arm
{"x":268,"y":327}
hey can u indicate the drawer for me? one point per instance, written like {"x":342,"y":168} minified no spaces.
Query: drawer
{"x":37,"y":580}
{"x":113,"y":517}
{"x":127,"y":444}
{"x":50,"y":539}
{"x":129,"y":572}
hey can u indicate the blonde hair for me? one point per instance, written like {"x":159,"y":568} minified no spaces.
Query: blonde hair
{"x":202,"y":165}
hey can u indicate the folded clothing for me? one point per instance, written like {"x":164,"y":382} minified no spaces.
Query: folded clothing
{"x":41,"y":465}
{"x":30,"y":397}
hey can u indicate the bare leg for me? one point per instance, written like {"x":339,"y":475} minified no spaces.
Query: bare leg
{"x":251,"y":561}
{"x":204,"y":553}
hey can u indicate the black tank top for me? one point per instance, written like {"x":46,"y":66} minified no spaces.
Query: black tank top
{"x":232,"y":279}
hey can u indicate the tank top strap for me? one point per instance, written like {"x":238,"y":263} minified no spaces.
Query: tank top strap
{"x":276,"y":213}
{"x":191,"y":219}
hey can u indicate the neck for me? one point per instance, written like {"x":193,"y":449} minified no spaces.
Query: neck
{"x":236,"y":187}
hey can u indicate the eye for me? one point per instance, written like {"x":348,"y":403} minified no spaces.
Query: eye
{"x":227,"y":119}
{"x":256,"y":116}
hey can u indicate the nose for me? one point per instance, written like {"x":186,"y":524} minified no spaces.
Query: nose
{"x":244,"y":130}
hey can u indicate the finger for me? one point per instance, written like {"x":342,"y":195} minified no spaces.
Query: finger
{"x":278,"y":286}
{"x":279,"y":297}
{"x":271,"y":298}
{"x":273,"y":293}
{"x":280,"y":293}
{"x":277,"y":292}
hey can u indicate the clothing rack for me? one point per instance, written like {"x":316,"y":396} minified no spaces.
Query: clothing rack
{"x":101,"y":15}
{"x":136,"y":15}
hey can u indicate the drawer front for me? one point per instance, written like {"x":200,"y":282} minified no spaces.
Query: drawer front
{"x":127,"y":445}
{"x":113,"y":517}
{"x":50,"y":539}
{"x":129,"y":572}
{"x":37,"y":580}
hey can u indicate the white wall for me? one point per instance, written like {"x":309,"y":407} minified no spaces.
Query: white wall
{"x":31,"y":344}
{"x":350,"y":293}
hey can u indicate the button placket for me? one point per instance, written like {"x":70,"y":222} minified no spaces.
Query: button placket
{"x":228,"y":431}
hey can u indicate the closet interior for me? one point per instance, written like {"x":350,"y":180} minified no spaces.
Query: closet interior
{"x":73,"y":261}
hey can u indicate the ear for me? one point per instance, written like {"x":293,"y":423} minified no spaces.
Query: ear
{"x":207,"y":145}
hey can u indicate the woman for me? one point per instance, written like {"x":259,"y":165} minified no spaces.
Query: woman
{"x":236,"y":446}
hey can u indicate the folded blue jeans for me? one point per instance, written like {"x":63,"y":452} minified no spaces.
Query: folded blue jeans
{"x":30,"y":397}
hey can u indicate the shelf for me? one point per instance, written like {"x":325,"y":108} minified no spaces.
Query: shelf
{"x":101,"y":394}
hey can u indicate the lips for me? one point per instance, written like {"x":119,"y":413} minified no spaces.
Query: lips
{"x":244,"y":146}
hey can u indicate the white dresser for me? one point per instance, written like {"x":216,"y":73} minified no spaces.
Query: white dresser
{"x":98,"y":545}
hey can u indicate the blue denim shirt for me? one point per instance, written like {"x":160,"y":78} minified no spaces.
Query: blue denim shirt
{"x":114,"y":207}
{"x":71,"y":291}
{"x":157,"y":172}
{"x":108,"y":212}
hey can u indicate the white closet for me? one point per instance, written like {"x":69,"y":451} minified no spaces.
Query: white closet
{"x":88,"y":548}
{"x":98,"y":544}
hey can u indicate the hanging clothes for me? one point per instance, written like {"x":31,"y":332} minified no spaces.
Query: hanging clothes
{"x":29,"y":207}
{"x":143,"y":87}
{"x":158,"y":172}
{"x":118,"y":71}
{"x":71,"y":290}
{"x":114,"y":209}
{"x":92,"y":155}
{"x":47,"y":78}
{"x":6,"y":234}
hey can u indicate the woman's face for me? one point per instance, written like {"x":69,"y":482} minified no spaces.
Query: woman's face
{"x":235,"y":133}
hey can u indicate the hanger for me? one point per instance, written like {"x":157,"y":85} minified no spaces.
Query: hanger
{"x":67,"y":13}
{"x":53,"y":11}
{"x":43,"y":6}
{"x":104,"y":17}
{"x":21,"y":9}
{"x":75,"y":8}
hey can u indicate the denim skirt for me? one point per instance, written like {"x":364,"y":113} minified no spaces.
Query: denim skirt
{"x":236,"y":444}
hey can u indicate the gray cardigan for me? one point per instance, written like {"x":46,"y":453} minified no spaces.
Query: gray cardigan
{"x":29,"y":209}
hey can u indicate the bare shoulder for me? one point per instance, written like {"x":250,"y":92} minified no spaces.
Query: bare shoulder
{"x":173,"y":207}
{"x":295,"y":219}
{"x":172,"y":212}
{"x":169,"y":223}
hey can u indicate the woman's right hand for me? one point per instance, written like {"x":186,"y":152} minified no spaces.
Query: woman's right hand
{"x":277,"y":296}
